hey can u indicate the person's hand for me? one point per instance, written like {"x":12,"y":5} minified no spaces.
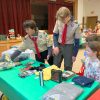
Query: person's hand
{"x":67,"y":19}
{"x":73,"y":58}
{"x":55,"y":50}
{"x":48,"y":56}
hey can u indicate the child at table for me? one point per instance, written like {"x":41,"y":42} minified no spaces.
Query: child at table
{"x":92,"y":61}
{"x":37,"y":41}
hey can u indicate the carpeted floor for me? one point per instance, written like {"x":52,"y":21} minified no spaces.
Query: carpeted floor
{"x":78,"y":63}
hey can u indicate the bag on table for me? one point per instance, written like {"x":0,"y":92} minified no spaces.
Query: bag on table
{"x":6,"y":65}
{"x":83,"y":81}
{"x":63,"y":91}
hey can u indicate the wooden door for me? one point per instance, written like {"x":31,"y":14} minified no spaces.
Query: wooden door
{"x":91,"y":21}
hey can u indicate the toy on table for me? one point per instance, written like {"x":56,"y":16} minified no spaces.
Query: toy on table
{"x":29,"y":69}
{"x":7,"y":64}
{"x":67,"y":74}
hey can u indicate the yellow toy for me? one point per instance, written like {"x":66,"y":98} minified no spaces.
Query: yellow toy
{"x":47,"y":72}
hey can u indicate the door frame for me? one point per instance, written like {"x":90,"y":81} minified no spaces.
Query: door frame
{"x":90,"y":17}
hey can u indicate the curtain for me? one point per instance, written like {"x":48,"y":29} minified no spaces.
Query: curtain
{"x":51,"y":16}
{"x":12,"y":15}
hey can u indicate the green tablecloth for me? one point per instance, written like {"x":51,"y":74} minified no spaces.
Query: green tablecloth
{"x":29,"y":88}
{"x":82,"y":41}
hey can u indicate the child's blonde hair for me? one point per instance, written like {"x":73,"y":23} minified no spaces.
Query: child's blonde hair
{"x":62,"y":12}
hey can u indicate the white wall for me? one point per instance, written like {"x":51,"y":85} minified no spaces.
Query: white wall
{"x":88,"y":8}
{"x":80,"y":11}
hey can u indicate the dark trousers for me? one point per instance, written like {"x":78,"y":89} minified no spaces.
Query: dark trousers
{"x":43,"y":57}
{"x":66,"y":53}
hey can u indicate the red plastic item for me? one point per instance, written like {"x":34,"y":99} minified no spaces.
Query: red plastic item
{"x":28,"y":67}
{"x":95,"y":95}
{"x":81,"y":72}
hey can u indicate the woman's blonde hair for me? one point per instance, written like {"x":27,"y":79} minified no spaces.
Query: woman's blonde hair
{"x":62,"y":12}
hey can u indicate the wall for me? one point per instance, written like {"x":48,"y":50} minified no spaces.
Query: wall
{"x":80,"y":11}
{"x":88,"y":8}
